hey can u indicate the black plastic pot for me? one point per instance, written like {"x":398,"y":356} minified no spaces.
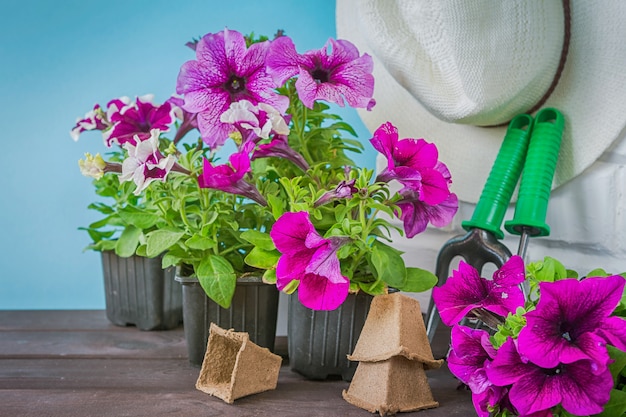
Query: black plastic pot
{"x":254,"y":310}
{"x":319,"y":341}
{"x":139,"y":292}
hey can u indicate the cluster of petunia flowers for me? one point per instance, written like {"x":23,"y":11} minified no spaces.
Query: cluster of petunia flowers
{"x":550,"y":357}
{"x":235,"y":90}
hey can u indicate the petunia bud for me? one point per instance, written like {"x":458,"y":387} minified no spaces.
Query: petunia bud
{"x":345,"y":189}
{"x":92,"y":166}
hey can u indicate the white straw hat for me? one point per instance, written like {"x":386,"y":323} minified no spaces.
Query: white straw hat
{"x":446,"y":69}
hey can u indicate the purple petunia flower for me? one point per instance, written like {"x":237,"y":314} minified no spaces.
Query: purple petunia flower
{"x":416,"y":214}
{"x":310,"y":259}
{"x":333,"y":77}
{"x":230,"y":178}
{"x":466,"y":290}
{"x":259,"y":122}
{"x":572,"y":322}
{"x":578,"y":387}
{"x":145,"y":163}
{"x":136,"y":119}
{"x":225,"y":71}
{"x":490,"y":397}
{"x":255,"y":122}
{"x":94,"y":120}
{"x":470,"y":352}
{"x":189,"y":121}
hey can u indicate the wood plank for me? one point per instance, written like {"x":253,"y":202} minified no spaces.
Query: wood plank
{"x":136,"y":344}
{"x":121,"y":387}
{"x":73,"y":320}
{"x":75,"y":363}
{"x":82,"y":333}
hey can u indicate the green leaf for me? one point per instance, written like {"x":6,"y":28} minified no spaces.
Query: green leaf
{"x":209,"y":221}
{"x":418,"y":280}
{"x":269,"y":276}
{"x":97,"y":235}
{"x":598,"y":272}
{"x":549,"y":270}
{"x":102,"y":208}
{"x":346,"y":127}
{"x":616,"y":407}
{"x":169,"y":260}
{"x":128,"y":241}
{"x":259,"y":239}
{"x":140,"y":218}
{"x":105,"y":245}
{"x":373,"y":288}
{"x":160,"y":240}
{"x":291,"y":287}
{"x":388,"y":265}
{"x":262,"y":259}
{"x":103,"y":222}
{"x":217,"y":278}
{"x":619,"y":364}
{"x":200,"y":242}
{"x":142,"y":251}
{"x":277,"y":205}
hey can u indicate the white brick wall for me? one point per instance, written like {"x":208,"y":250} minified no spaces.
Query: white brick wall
{"x":586,"y":218}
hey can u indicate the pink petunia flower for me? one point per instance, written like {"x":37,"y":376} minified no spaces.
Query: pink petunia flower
{"x":279,"y":147}
{"x":414,"y":163}
{"x":230,"y":177}
{"x":466,"y":290}
{"x":145,"y":163}
{"x":426,"y":197}
{"x":136,"y":119}
{"x":572,"y":322}
{"x":309,"y":259}
{"x":225,"y":71}
{"x":578,"y":387}
{"x":332,"y":75}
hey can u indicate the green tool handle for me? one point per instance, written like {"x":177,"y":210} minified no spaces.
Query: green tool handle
{"x":536,"y":183}
{"x":502,"y":179}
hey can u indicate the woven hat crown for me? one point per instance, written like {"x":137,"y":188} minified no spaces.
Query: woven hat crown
{"x":455,"y":72}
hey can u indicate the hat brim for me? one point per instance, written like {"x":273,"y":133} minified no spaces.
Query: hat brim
{"x":591,"y":94}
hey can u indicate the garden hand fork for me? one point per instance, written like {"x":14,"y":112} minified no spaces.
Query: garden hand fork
{"x":481,"y":244}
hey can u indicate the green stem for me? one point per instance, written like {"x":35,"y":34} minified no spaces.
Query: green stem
{"x":364,"y":235}
{"x":159,"y":204}
{"x":233,"y":248}
{"x":183,"y":215}
{"x":299,"y":124}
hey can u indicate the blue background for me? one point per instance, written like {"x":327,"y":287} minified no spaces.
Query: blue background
{"x":59,"y":58}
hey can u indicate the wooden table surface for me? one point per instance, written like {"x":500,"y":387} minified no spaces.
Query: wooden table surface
{"x":76,"y":363}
